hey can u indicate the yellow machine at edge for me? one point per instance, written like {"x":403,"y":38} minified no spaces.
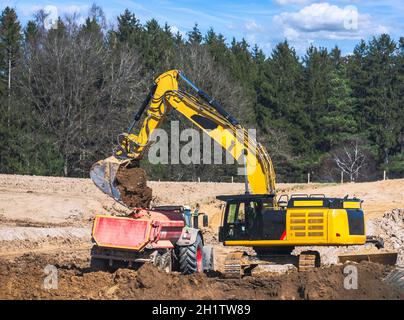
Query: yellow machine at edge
{"x":258,"y":218}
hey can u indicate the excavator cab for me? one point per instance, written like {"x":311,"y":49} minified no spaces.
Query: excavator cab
{"x":244,"y":215}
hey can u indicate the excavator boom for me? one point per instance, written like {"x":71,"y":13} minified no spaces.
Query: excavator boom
{"x":204,"y":112}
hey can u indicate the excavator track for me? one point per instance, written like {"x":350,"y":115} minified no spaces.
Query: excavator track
{"x":237,"y":262}
{"x":308,"y":261}
{"x":233,"y":268}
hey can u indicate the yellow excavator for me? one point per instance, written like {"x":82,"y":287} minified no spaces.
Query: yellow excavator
{"x":271,"y":225}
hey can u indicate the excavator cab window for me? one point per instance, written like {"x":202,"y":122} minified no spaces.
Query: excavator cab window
{"x":244,"y":215}
{"x":232,"y":212}
{"x":242,"y":220}
{"x":235,"y":221}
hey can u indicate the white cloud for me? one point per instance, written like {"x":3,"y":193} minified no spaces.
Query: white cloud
{"x":326,"y":21}
{"x":59,"y":10}
{"x":232,"y":26}
{"x":253,"y":26}
{"x":290,"y":33}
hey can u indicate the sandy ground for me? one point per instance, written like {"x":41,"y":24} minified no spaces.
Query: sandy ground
{"x":46,"y":219}
{"x":72,"y":201}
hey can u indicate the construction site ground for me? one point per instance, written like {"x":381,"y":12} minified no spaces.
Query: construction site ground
{"x":47,"y":221}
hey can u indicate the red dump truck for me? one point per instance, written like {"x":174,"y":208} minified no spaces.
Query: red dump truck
{"x":160,"y":236}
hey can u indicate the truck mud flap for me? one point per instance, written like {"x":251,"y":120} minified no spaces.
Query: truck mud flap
{"x":208,"y":259}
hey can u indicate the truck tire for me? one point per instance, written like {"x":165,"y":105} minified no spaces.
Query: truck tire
{"x":190,"y":257}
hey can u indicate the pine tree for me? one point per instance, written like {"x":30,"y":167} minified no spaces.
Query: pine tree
{"x":258,"y":55}
{"x":195,"y":36}
{"x":178,"y":39}
{"x":129,"y":28}
{"x":338,"y":124}
{"x":10,"y":42}
{"x":216,"y":44}
{"x":400,"y":94}
{"x":377,"y":106}
{"x":157,"y":47}
{"x":336,"y":57}
{"x":31,"y":33}
{"x":280,"y":101}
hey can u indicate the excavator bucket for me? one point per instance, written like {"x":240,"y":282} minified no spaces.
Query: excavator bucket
{"x":103,"y":173}
{"x":386,"y":258}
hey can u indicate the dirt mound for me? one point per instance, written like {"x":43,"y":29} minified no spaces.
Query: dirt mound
{"x":132,"y":184}
{"x":328,"y":283}
{"x":24,"y":278}
{"x":390,"y":228}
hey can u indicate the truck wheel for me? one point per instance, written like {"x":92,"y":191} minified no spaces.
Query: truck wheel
{"x":190,"y":257}
{"x":166,"y":262}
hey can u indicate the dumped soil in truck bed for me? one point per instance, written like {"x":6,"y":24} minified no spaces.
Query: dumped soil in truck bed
{"x":24,"y":278}
{"x":132,"y":184}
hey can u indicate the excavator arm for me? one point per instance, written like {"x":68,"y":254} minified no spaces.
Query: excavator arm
{"x":204,"y":112}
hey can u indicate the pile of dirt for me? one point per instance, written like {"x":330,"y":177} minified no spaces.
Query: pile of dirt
{"x":24,"y":279}
{"x":390,"y":228}
{"x":132,"y":185}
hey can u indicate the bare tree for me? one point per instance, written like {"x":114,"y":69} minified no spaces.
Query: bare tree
{"x":83,"y":90}
{"x":350,"y":159}
{"x":198,"y":65}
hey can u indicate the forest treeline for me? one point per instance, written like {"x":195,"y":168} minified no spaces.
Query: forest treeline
{"x":67,"y":90}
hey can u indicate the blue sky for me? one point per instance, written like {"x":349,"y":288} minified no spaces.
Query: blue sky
{"x":265,"y":22}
